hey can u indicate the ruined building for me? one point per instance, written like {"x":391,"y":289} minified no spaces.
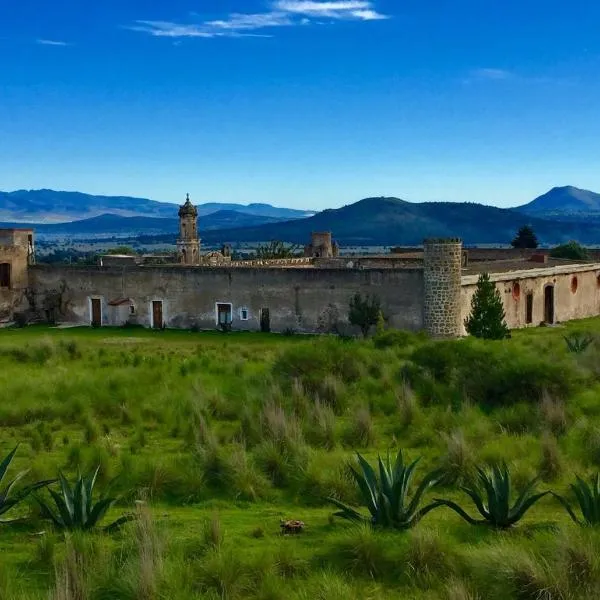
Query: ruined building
{"x":430,"y":289}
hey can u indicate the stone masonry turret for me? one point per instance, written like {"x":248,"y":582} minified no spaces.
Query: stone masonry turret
{"x":442,"y":287}
{"x":188,"y":243}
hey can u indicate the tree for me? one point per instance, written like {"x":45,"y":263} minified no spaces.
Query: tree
{"x":525,"y":238}
{"x":121,"y":250}
{"x":571,"y":250}
{"x":364,"y":312}
{"x":276,"y":249}
{"x":487,"y":318}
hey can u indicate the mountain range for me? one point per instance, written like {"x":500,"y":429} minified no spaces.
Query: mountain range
{"x":50,"y":206}
{"x":562,"y":214}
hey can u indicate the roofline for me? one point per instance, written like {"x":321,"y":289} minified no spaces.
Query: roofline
{"x":532,"y":273}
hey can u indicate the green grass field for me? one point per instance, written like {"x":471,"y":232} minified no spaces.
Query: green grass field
{"x":220,"y":436}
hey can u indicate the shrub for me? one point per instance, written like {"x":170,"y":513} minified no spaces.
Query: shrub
{"x":553,"y":414}
{"x":310,"y":364}
{"x":387,"y":497}
{"x":458,"y":465}
{"x":394,"y":338}
{"x":492,"y":374}
{"x":578,"y":342}
{"x":361,"y":433}
{"x":551,"y":462}
{"x":571,"y":250}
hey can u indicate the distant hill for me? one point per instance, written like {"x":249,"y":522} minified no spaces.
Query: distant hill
{"x":50,"y":206}
{"x":565,"y":203}
{"x":109,"y":225}
{"x":388,"y":221}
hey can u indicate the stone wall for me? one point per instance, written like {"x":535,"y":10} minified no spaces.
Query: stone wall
{"x":576,"y":293}
{"x":442,"y":262}
{"x":15,"y":251}
{"x":304,"y":299}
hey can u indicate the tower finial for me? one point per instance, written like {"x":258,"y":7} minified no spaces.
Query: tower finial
{"x":187,"y":197}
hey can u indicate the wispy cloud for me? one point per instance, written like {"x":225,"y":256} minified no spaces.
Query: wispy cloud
{"x":51,"y":43}
{"x":494,"y":74}
{"x":281,"y":13}
{"x":504,"y":75}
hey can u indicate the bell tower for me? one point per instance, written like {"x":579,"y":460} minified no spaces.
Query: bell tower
{"x":188,"y":243}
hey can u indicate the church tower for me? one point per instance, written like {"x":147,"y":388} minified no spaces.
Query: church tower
{"x":188,"y":243}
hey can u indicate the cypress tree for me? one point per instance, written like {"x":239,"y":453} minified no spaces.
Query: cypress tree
{"x":487,"y":318}
{"x":525,"y":238}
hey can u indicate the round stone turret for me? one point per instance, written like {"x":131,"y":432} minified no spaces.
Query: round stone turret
{"x":442,"y":263}
{"x":321,"y":245}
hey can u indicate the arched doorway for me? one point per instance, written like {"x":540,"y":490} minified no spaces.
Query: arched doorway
{"x":549,"y":304}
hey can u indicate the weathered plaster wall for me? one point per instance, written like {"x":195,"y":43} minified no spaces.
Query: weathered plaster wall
{"x":305,"y":299}
{"x":14,"y":250}
{"x":572,"y":300}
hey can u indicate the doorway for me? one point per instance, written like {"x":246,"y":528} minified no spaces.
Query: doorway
{"x":157,"y":314}
{"x":223,"y":314}
{"x":5,"y":275}
{"x":265,"y":320}
{"x":529,"y":309}
{"x":96,"y":312}
{"x":549,"y":304}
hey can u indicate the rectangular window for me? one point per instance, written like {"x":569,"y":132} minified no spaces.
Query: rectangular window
{"x":529,"y":309}
{"x":5,"y":275}
{"x":244,"y":314}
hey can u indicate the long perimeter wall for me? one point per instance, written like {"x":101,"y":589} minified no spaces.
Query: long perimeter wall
{"x":304,"y":299}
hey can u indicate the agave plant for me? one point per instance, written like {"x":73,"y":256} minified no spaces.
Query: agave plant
{"x":492,"y":499}
{"x":578,"y":343}
{"x":387,"y":495}
{"x":75,"y":509}
{"x":588,"y":498}
{"x":8,"y":496}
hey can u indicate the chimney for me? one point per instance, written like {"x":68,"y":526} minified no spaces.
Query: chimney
{"x":539,"y":258}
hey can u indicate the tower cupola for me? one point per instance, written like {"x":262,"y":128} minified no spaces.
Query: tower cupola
{"x":188,"y":243}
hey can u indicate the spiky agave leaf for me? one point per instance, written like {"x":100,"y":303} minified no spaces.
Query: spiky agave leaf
{"x":492,"y":499}
{"x":8,"y":499}
{"x":74,"y":507}
{"x":588,"y":498}
{"x":387,"y":496}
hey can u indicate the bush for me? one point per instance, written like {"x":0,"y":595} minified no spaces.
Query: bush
{"x":494,"y":374}
{"x":571,"y":250}
{"x":312,"y":364}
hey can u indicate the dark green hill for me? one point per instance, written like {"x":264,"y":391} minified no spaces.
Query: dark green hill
{"x":388,"y":221}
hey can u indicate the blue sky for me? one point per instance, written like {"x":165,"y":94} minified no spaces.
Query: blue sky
{"x":302,"y":103}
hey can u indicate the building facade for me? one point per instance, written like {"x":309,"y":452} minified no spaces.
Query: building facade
{"x":432,"y":291}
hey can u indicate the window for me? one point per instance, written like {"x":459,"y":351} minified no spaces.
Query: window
{"x":516,"y":291}
{"x":5,"y":275}
{"x":244,"y":314}
{"x":529,"y":309}
{"x":132,"y":309}
{"x":574,"y":285}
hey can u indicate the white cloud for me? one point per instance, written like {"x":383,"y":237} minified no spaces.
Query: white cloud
{"x":51,"y":43}
{"x":341,"y":9}
{"x":283,"y":13}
